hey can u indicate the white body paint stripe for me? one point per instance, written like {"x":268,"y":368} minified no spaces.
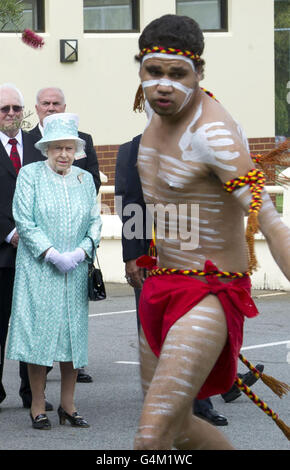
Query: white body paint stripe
{"x":169,"y":57}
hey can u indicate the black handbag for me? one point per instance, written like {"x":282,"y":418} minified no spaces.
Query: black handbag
{"x":96,"y":286}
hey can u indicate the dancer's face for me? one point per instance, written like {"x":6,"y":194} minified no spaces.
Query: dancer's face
{"x":169,"y":84}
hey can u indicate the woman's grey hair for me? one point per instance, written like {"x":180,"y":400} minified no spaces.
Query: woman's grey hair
{"x":11,"y":86}
{"x":80,"y":147}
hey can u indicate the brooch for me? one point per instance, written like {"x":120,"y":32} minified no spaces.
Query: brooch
{"x":80,"y":177}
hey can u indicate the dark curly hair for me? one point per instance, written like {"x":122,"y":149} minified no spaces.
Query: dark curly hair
{"x":179,"y":32}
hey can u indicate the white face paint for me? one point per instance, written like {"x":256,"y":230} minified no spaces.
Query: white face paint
{"x":167,"y":57}
{"x":170,"y":83}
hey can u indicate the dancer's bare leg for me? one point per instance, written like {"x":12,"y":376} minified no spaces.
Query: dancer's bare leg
{"x":197,"y":434}
{"x":171,"y":382}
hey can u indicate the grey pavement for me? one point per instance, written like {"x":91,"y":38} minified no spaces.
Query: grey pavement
{"x":113,"y":402}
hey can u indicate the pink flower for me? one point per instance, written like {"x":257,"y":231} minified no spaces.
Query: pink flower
{"x":32,"y":39}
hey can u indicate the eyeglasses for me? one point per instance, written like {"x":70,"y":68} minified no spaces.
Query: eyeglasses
{"x":6,"y":109}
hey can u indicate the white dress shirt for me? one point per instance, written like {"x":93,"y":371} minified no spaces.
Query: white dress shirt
{"x":40,"y":127}
{"x":4,"y":139}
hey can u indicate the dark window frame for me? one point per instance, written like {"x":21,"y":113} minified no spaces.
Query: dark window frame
{"x":224,"y":11}
{"x":40,"y":14}
{"x":135,"y":21}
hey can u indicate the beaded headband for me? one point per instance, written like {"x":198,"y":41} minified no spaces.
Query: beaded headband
{"x":170,"y":51}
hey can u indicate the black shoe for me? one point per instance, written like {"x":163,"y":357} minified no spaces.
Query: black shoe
{"x":2,"y":392}
{"x":75,"y":419}
{"x":83,"y":377}
{"x":27,"y":404}
{"x":248,"y":379}
{"x":48,"y":406}
{"x":232,"y":394}
{"x":40,"y":422}
{"x":212,"y":416}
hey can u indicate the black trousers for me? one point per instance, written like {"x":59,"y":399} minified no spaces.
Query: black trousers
{"x":6,"y":292}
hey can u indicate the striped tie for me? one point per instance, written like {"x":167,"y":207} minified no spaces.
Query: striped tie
{"x":14,"y":155}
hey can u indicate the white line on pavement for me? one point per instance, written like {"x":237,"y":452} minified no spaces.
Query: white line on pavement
{"x":256,"y":346}
{"x":266,"y":345}
{"x":268,"y":295}
{"x":127,"y":362}
{"x":111,"y":313}
{"x":131,"y":311}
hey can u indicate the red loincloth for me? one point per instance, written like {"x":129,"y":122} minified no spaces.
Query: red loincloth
{"x":165,"y":298}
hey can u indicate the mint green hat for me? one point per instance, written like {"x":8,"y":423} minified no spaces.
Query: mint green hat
{"x":60,"y":126}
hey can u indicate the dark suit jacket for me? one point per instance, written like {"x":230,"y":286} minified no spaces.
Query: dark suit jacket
{"x":90,"y":163}
{"x":128,"y":185}
{"x":7,"y":188}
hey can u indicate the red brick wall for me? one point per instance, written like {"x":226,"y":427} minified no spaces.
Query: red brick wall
{"x":261,"y":144}
{"x":107,"y":155}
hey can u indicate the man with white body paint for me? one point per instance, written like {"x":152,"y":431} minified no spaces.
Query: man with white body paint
{"x":192,"y":324}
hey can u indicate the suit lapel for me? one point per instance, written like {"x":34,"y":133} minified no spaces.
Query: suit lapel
{"x":30,"y":153}
{"x":5,"y":161}
{"x":35,"y":132}
{"x":27,"y":148}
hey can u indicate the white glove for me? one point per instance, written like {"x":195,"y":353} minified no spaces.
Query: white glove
{"x":78,"y":255}
{"x":64,"y":262}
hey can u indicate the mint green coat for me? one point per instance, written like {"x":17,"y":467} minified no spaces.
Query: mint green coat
{"x":49,"y":319}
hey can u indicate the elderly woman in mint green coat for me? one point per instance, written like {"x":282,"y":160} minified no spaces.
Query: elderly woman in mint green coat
{"x":58,"y":221}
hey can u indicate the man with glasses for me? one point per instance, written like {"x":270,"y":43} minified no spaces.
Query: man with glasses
{"x":16,"y":149}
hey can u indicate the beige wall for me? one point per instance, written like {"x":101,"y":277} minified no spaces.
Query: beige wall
{"x":101,"y":86}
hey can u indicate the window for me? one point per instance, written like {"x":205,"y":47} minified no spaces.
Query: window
{"x":111,"y":15}
{"x":18,"y":15}
{"x":282,"y":68}
{"x":211,"y":15}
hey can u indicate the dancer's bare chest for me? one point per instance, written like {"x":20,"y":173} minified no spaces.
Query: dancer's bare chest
{"x":165,"y":175}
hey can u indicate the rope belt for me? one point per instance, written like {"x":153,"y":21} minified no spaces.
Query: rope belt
{"x":196,"y":272}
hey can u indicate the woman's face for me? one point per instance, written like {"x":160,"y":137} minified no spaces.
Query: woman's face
{"x":61,"y":155}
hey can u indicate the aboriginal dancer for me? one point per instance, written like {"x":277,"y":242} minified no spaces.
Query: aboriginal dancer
{"x":193,"y":303}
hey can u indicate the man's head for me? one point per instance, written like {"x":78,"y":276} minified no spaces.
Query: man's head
{"x":49,"y":101}
{"x":11,"y":109}
{"x":171,"y":67}
{"x":177,"y":32}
